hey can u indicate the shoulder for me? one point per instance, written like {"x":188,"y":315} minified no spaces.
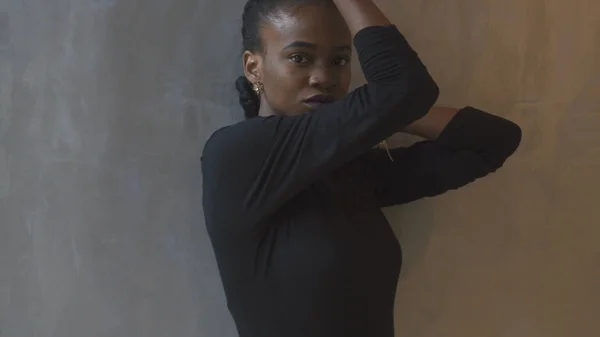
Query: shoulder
{"x":230,"y":136}
{"x":238,"y":141}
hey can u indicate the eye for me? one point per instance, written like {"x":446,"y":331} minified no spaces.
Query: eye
{"x":296,"y":58}
{"x":341,"y":61}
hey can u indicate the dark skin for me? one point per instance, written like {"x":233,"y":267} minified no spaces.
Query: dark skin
{"x":307,"y":51}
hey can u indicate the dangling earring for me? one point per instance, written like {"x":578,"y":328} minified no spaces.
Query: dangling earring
{"x":258,"y":88}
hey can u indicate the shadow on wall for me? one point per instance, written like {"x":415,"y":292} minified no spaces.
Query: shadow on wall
{"x":413,"y":226}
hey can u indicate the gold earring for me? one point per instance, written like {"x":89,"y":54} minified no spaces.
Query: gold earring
{"x":258,"y":88}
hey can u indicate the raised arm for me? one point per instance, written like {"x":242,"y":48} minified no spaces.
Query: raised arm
{"x":360,"y":14}
{"x":252,"y":168}
{"x":461,"y":146}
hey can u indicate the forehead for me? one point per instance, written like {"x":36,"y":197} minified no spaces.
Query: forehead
{"x":320,"y":24}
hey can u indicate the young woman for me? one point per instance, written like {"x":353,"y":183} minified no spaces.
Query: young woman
{"x":292,"y":196}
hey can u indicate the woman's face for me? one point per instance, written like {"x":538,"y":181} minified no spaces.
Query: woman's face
{"x":307,"y":52}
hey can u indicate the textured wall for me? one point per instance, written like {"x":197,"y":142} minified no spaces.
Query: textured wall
{"x":104,"y":107}
{"x":516,"y":254}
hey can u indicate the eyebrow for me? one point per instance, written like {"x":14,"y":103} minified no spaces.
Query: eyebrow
{"x":302,"y":44}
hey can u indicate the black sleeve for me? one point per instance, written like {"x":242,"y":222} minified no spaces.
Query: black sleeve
{"x":252,"y":168}
{"x":472,"y":145}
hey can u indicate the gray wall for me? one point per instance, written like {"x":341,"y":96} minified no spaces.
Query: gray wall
{"x":104,"y":107}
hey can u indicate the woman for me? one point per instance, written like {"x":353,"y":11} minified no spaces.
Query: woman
{"x":293,"y":195}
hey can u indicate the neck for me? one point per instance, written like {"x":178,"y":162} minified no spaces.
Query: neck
{"x":265,"y":110}
{"x":265,"y":113}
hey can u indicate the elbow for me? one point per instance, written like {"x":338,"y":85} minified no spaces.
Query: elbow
{"x":514,"y":136}
{"x":423,"y":94}
{"x":511,"y":139}
{"x":431,"y":91}
{"x":408,"y":98}
{"x":508,"y":144}
{"x":425,"y":85}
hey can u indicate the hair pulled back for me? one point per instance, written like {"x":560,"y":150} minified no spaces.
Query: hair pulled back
{"x":255,"y":13}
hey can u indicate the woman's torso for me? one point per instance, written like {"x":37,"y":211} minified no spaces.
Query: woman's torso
{"x":325,"y":264}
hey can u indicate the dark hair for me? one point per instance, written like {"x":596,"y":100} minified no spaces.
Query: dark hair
{"x":249,"y":101}
{"x":255,"y":12}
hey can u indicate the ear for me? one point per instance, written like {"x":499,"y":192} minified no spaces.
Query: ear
{"x":252,"y":66}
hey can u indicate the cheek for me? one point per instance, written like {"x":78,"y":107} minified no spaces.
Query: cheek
{"x":343,"y":82}
{"x":290,"y":75}
{"x":283,"y":81}
{"x":346,"y":78}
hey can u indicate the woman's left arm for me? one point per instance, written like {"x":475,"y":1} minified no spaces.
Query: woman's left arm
{"x":460,"y":146}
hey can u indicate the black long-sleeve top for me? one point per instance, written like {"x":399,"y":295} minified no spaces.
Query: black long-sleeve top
{"x":293,"y":203}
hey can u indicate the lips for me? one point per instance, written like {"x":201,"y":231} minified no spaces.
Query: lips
{"x":322,"y":99}
{"x":318,"y":100}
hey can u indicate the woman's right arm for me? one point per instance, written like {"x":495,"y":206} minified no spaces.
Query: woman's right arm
{"x":360,"y":14}
{"x":252,"y":168}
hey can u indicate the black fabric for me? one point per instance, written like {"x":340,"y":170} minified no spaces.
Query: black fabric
{"x":293,"y":204}
{"x":471,"y":146}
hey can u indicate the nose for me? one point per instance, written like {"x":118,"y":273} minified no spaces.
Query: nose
{"x":323,"y":77}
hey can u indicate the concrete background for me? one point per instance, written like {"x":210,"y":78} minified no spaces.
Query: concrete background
{"x":105,"y":105}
